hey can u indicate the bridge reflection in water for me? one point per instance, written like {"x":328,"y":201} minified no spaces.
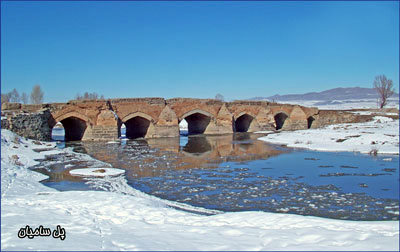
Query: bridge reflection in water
{"x":150,"y":157}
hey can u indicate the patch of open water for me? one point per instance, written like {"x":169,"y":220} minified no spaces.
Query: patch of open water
{"x":237,"y":172}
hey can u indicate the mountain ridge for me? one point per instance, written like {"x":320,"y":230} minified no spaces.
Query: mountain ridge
{"x":330,"y":94}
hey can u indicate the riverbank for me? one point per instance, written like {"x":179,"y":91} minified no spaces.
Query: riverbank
{"x":121,"y":220}
{"x":379,"y":136}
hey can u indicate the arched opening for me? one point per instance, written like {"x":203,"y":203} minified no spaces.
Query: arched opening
{"x":280,"y":119}
{"x":242,"y":123}
{"x":183,"y":127}
{"x":123,"y":131}
{"x":310,"y":120}
{"x":197,"y":123}
{"x":58,"y":132}
{"x":74,"y":128}
{"x":136,"y":127}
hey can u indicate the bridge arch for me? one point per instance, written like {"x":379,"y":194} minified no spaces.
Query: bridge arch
{"x":280,"y":119}
{"x":75,"y":125}
{"x":137,"y":125}
{"x":310,"y":121}
{"x":197,"y":120}
{"x":138,"y":113}
{"x":243,"y":121}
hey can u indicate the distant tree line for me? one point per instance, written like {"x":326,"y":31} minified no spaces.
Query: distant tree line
{"x":89,"y":96}
{"x":36,"y":96}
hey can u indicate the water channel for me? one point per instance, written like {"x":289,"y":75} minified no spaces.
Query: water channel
{"x":237,"y":172}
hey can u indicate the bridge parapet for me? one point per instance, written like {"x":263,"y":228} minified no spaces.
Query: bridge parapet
{"x":148,"y":100}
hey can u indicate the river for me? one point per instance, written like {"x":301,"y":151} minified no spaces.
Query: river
{"x":237,"y":172}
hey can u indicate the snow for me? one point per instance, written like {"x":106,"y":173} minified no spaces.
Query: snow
{"x":344,"y":104}
{"x":98,"y":172}
{"x":58,"y":132}
{"x":122,"y":218}
{"x":374,"y":113}
{"x":381,"y":135}
{"x":183,"y":125}
{"x":112,"y":142}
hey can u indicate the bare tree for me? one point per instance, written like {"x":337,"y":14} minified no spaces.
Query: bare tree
{"x":24,"y":98}
{"x":384,"y":87}
{"x":36,"y":95}
{"x":14,"y":96}
{"x":88,"y":96}
{"x":219,"y":97}
{"x":78,"y":97}
{"x":5,"y":98}
{"x":93,"y":96}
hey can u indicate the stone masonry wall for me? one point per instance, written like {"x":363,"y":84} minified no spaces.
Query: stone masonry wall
{"x":329,"y":117}
{"x":30,"y":125}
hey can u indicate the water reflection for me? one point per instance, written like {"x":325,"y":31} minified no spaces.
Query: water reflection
{"x":197,"y":146}
{"x":57,"y":168}
{"x":151,"y":157}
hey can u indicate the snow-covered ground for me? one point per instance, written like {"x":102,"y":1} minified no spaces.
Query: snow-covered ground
{"x":123,"y":218}
{"x":380,"y":136}
{"x":344,"y":104}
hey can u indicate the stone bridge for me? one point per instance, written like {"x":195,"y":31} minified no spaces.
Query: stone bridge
{"x":158,"y":117}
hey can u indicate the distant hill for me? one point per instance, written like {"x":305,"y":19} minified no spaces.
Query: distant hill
{"x":328,"y":95}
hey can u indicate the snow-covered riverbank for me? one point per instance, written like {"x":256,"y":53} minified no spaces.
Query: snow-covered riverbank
{"x":380,"y":136}
{"x":125,"y":219}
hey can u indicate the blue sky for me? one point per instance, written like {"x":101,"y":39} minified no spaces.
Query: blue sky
{"x":196,"y":49}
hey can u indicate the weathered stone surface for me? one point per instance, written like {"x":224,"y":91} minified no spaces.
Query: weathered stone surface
{"x":254,"y":126}
{"x":167,"y":124}
{"x":30,"y":125}
{"x":265,"y":119}
{"x":10,"y":106}
{"x":224,"y":120}
{"x":297,"y":114}
{"x":107,"y":118}
{"x":101,"y":132}
{"x":5,"y":123}
{"x":184,"y":107}
{"x":165,"y":131}
{"x":297,"y":119}
{"x":32,"y":107}
{"x":328,"y":117}
{"x":148,"y":108}
{"x":167,"y":117}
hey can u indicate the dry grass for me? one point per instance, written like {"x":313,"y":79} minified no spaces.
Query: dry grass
{"x":373,"y":152}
